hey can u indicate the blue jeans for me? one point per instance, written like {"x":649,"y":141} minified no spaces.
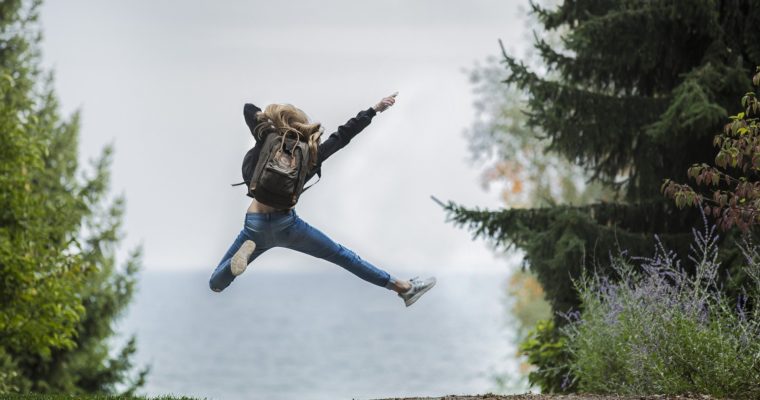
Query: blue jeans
{"x":286,"y":229}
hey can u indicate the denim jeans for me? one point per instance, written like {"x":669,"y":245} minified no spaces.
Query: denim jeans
{"x":286,"y":229}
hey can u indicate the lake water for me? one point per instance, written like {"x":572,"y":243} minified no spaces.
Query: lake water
{"x":325,"y":335}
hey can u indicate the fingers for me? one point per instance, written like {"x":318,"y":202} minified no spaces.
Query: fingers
{"x":386,"y":102}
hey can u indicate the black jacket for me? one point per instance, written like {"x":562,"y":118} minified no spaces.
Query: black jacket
{"x":333,"y":143}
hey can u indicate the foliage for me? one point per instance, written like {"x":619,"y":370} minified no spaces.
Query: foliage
{"x":631,"y":93}
{"x":515,"y":154}
{"x":659,"y":330}
{"x":547,"y":349}
{"x":39,"y":283}
{"x":632,"y":96}
{"x":733,"y":184}
{"x":61,"y":291}
{"x":529,"y":308}
{"x":517,"y":161}
{"x":559,"y":243}
{"x":529,"y":305}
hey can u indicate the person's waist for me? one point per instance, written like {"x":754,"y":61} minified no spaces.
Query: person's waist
{"x":258,"y":208}
{"x":291,"y":211}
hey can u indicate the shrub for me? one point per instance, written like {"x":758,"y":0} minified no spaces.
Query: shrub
{"x":547,"y":349}
{"x":658,"y":329}
{"x":730,"y":190}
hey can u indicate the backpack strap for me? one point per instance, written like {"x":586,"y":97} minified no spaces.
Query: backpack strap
{"x":319,"y":177}
{"x":305,"y":159}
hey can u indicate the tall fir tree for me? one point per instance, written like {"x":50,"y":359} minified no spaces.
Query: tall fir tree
{"x":61,"y":291}
{"x":634,"y":94}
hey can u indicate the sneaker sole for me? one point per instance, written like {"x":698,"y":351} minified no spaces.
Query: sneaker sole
{"x":240,"y":259}
{"x":419,"y":294}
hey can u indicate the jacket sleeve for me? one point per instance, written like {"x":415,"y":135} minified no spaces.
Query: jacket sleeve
{"x":249,"y":113}
{"x":344,"y":134}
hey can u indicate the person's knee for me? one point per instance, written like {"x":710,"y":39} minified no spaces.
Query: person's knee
{"x":214,"y":287}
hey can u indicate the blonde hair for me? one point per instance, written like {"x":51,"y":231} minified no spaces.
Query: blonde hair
{"x":283,"y":118}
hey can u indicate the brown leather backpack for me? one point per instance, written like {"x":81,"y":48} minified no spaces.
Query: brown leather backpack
{"x":280,"y":173}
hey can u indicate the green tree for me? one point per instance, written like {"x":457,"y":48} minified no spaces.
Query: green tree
{"x":59,"y":285}
{"x":633,"y":93}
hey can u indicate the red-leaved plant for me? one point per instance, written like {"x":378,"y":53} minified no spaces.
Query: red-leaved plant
{"x":731,"y":187}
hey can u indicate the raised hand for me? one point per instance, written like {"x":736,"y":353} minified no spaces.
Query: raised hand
{"x":385,"y":102}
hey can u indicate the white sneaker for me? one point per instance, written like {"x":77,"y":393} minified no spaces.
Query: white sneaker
{"x":419,"y":287}
{"x":240,"y":259}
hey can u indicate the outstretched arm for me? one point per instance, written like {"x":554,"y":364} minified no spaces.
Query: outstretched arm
{"x":347,"y":131}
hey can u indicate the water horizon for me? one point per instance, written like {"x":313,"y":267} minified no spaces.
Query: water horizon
{"x":318,"y":335}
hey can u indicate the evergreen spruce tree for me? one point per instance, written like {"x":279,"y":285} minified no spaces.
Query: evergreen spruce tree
{"x":634,"y":94}
{"x":60,"y":290}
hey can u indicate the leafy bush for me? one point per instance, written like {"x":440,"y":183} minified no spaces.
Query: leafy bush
{"x":731,"y":188}
{"x":658,"y":329}
{"x":547,"y":349}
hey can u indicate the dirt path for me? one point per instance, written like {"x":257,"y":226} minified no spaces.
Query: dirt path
{"x":529,"y":396}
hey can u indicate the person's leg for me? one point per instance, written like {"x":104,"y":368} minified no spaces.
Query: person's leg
{"x":222,"y":275}
{"x":307,"y":239}
{"x":398,"y":285}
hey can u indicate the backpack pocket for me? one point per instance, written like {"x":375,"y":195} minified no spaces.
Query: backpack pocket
{"x":279,"y":180}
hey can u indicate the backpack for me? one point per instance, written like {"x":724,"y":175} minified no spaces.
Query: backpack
{"x":278,"y":178}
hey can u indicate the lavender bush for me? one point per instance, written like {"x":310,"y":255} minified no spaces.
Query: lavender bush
{"x":658,"y":329}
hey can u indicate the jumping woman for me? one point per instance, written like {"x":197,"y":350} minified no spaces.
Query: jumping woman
{"x":287,"y":154}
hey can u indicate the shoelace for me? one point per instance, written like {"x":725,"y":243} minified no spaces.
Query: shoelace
{"x":416,"y":284}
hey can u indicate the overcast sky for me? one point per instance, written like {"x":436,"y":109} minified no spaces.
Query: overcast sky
{"x":165,"y":82}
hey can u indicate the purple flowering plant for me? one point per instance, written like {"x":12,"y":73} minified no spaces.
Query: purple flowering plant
{"x":653,"y":328}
